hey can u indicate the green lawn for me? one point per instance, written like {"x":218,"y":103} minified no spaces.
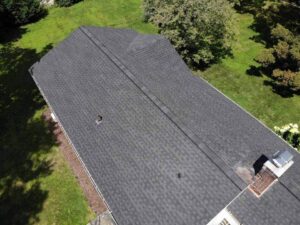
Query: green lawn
{"x":36,"y":184}
{"x":250,"y":91}
{"x":62,"y":21}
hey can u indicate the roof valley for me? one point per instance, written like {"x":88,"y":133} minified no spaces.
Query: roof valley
{"x":196,"y":140}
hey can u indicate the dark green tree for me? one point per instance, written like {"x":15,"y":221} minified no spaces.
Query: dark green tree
{"x":16,"y":12}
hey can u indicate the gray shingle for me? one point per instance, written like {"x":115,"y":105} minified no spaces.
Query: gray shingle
{"x":276,"y":206}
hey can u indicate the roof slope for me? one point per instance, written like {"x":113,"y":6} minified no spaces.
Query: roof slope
{"x":158,"y":121}
{"x":277,"y":206}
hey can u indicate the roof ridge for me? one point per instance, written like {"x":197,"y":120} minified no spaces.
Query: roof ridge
{"x":210,"y":154}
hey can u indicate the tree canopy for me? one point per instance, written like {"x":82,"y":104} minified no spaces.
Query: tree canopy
{"x":279,"y":23}
{"x":15,"y":12}
{"x":198,"y":29}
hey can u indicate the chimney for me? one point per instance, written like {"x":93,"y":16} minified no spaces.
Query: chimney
{"x":271,"y":171}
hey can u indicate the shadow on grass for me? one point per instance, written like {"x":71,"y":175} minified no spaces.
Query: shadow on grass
{"x":201,"y":66}
{"x":262,"y":32}
{"x":10,"y":34}
{"x":254,"y":71}
{"x":23,"y":140}
{"x":281,"y":90}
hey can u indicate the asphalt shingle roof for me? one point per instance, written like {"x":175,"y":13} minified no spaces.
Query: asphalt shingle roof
{"x":158,"y":121}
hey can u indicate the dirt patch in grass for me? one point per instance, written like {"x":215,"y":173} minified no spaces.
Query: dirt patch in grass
{"x":94,"y":199}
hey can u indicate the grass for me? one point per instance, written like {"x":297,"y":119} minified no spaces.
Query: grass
{"x":65,"y":203}
{"x":251,"y":92}
{"x":62,"y":21}
{"x":36,"y":184}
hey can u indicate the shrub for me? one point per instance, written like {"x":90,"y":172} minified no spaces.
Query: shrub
{"x":290,"y":133}
{"x":287,"y":78}
{"x":266,"y":57}
{"x":66,"y":3}
{"x":16,"y":12}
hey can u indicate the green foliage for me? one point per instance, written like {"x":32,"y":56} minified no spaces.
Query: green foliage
{"x":266,"y":57}
{"x":282,"y":49}
{"x":16,"y":12}
{"x":295,"y":50}
{"x":66,"y":3}
{"x":279,"y":25}
{"x":283,"y":58}
{"x":281,"y":33}
{"x":287,"y":78}
{"x":290,"y":133}
{"x":198,"y":29}
{"x":150,"y":7}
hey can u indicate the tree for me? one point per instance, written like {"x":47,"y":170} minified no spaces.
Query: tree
{"x":198,"y":29}
{"x":266,"y":57}
{"x":287,"y":78}
{"x":283,"y":58}
{"x":16,"y":12}
{"x":150,"y":7}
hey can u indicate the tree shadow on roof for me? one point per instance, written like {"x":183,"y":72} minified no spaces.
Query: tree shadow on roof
{"x":23,"y":139}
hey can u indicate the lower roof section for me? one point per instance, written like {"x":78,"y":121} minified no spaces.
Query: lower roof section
{"x":277,"y":206}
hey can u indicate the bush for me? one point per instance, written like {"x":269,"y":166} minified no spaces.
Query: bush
{"x":201,"y":30}
{"x":287,"y":78}
{"x":290,"y":133}
{"x":66,"y":3}
{"x":266,"y":57}
{"x":16,"y":12}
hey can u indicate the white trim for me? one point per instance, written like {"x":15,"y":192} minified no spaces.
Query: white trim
{"x":224,"y":214}
{"x":278,"y":171}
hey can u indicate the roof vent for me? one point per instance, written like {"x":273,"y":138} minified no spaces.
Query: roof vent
{"x":99,"y":119}
{"x":282,"y":158}
{"x":281,"y":161}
